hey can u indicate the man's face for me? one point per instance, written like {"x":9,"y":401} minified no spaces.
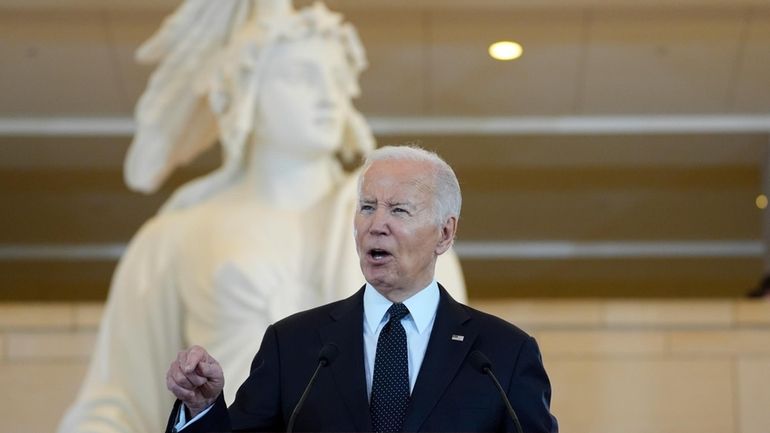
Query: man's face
{"x":397,"y":237}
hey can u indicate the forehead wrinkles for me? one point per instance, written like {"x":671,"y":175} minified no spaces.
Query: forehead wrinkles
{"x":423,"y":182}
{"x":395,"y":186}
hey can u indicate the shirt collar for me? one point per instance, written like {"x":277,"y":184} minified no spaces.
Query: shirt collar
{"x":422,"y":306}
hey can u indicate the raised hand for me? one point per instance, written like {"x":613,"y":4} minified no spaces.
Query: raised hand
{"x":195,"y":378}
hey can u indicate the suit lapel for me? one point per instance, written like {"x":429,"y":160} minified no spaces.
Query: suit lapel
{"x":346,"y":331}
{"x":443,"y":357}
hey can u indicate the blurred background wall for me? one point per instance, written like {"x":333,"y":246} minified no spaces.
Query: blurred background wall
{"x":620,"y":155}
{"x":612,"y":178}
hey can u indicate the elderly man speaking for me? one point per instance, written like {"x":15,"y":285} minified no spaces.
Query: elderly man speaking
{"x":400,"y":354}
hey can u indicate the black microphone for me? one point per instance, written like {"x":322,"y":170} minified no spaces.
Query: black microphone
{"x":326,"y":356}
{"x":481,"y":363}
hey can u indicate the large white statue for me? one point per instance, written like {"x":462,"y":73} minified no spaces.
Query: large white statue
{"x":267,"y":234}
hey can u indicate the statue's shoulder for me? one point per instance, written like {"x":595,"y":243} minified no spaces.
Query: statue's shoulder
{"x":165,"y":228}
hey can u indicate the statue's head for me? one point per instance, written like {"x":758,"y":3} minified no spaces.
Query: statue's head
{"x":303,"y":101}
{"x":288,"y":79}
{"x":245,"y":71}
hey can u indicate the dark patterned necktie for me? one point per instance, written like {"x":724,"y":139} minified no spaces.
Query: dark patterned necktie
{"x":390,"y":382}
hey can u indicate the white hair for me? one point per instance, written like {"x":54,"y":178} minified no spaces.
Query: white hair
{"x":448,"y":199}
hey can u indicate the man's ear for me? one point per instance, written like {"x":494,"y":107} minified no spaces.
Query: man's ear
{"x":447,"y":230}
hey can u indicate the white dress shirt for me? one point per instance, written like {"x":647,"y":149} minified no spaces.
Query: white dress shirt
{"x":417,"y":324}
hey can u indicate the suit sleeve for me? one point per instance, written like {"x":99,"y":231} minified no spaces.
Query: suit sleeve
{"x":530,"y":392}
{"x":215,"y":420}
{"x":257,"y":405}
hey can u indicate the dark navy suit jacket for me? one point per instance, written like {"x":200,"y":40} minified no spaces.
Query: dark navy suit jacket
{"x":449,"y":395}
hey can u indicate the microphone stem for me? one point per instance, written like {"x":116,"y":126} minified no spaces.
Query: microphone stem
{"x":511,"y":412}
{"x":297,"y":408}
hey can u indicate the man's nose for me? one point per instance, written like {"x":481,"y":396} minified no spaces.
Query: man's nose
{"x":379,"y":224}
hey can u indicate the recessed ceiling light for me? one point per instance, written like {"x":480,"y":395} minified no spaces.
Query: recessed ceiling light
{"x":761,"y":201}
{"x":505,"y":50}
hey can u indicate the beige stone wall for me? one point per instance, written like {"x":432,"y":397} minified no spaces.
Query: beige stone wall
{"x":653,"y":366}
{"x":616,"y":366}
{"x":45,"y":350}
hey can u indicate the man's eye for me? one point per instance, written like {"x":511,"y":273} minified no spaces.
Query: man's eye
{"x":400,"y":210}
{"x":366,"y":208}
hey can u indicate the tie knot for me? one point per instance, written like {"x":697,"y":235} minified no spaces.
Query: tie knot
{"x":397,"y":312}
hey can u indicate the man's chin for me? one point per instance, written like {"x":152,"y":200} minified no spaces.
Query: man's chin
{"x":379,"y":281}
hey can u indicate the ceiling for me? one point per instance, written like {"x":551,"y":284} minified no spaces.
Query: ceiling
{"x":75,"y":58}
{"x":621,"y":123}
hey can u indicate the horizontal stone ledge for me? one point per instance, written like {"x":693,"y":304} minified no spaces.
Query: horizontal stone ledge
{"x":733,"y":342}
{"x":473,"y":250}
{"x":36,"y":316}
{"x":531,"y":314}
{"x":602,"y":342}
{"x":25,"y":346}
{"x":440,"y":125}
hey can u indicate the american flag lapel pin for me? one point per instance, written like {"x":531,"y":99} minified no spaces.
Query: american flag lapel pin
{"x":456,"y":337}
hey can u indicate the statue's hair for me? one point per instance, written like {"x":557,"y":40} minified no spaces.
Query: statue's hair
{"x":211,"y":57}
{"x":251,"y":48}
{"x":447,"y":195}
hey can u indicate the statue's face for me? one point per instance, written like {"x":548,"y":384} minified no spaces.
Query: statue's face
{"x":303,"y":103}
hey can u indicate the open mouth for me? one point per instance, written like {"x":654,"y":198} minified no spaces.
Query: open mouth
{"x":378,"y":254}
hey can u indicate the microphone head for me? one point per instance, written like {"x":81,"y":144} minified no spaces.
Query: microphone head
{"x":328,"y":353}
{"x":480,"y":362}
